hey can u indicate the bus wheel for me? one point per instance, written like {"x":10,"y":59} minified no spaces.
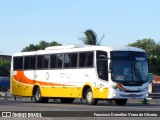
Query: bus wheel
{"x":121,"y":101}
{"x":38,"y":98}
{"x":67,"y":100}
{"x":89,"y":97}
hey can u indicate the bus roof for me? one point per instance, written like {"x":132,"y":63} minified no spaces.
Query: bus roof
{"x":78,"y":48}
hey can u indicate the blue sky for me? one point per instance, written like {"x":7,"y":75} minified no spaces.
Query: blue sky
{"x":24,"y":22}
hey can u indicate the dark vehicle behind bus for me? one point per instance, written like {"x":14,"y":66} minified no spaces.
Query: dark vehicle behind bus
{"x":4,"y":83}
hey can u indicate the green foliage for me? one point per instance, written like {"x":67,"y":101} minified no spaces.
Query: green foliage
{"x":153,"y":53}
{"x":41,"y":46}
{"x":149,"y":45}
{"x":5,"y":68}
{"x":90,"y":38}
{"x":31,"y":47}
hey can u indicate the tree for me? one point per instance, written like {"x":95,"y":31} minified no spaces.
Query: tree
{"x":153,"y":53}
{"x":91,"y":38}
{"x":149,"y":45}
{"x":31,"y":47}
{"x":41,"y":46}
{"x":5,"y":68}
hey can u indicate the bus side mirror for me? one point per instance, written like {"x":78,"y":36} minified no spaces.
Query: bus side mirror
{"x":150,"y":77}
{"x":110,"y":66}
{"x":148,"y":63}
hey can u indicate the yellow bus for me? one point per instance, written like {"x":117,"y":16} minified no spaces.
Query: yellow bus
{"x":91,"y":73}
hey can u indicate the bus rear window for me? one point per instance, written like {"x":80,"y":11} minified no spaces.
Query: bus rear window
{"x":18,"y":63}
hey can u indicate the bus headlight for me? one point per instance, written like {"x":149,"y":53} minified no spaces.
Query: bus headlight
{"x":145,"y":89}
{"x":114,"y":95}
{"x":115,"y":88}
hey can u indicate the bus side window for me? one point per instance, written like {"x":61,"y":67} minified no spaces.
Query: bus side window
{"x":86,"y":59}
{"x":102,"y":65}
{"x":102,"y":69}
{"x":53,"y":61}
{"x":59,"y":60}
{"x":67,"y":60}
{"x":74,"y":57}
{"x":89,"y":59}
{"x":26,"y":62}
{"x":82,"y":57}
{"x":45,"y":61}
{"x":32,"y":62}
{"x":70,"y":60}
{"x":29,"y":62}
{"x":15,"y":63}
{"x":18,"y":63}
{"x":39,"y":62}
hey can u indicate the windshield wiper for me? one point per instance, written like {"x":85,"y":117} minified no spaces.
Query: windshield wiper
{"x":137,"y":73}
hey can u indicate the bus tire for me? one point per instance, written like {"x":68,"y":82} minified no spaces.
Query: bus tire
{"x":38,"y":98}
{"x":120,"y":101}
{"x":89,"y":97}
{"x":67,"y":100}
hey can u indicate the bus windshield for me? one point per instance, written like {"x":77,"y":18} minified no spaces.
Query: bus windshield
{"x":129,"y":67}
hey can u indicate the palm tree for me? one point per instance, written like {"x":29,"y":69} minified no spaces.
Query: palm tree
{"x":90,"y":38}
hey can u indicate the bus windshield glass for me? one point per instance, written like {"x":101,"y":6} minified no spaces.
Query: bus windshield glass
{"x":129,"y":67}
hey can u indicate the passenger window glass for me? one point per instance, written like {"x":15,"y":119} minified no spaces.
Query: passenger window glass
{"x":82,"y":57}
{"x":74,"y":60}
{"x":39,"y":61}
{"x":59,"y":58}
{"x":53,"y":61}
{"x":86,"y":59}
{"x":15,"y":63}
{"x":26,"y":62}
{"x":32,"y":62}
{"x":70,"y":60}
{"x":29,"y":62}
{"x":102,"y":65}
{"x":45,"y":61}
{"x":89,"y":59}
{"x":20,"y":63}
{"x":67,"y":60}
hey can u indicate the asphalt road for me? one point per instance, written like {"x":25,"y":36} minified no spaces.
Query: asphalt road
{"x":27,"y":105}
{"x":53,"y":106}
